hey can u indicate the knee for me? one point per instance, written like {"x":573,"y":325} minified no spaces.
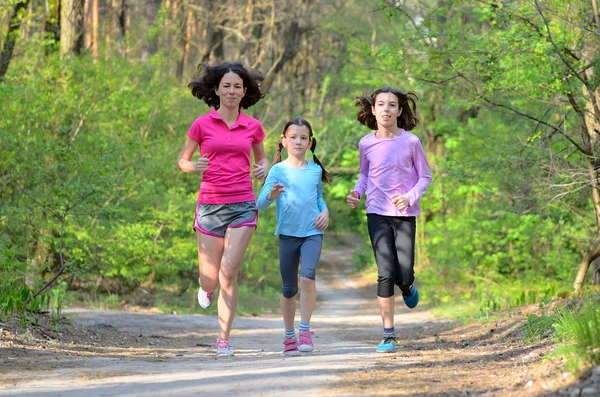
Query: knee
{"x":289,"y":291}
{"x":228,"y":275}
{"x":209,"y":284}
{"x":307,"y":284}
{"x":385,"y":287}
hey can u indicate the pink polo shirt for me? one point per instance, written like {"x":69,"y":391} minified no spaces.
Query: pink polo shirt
{"x":227,"y":178}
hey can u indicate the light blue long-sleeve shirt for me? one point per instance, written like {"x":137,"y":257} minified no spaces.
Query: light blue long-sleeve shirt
{"x":298,"y":206}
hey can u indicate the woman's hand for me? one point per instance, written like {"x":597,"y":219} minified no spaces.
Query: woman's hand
{"x":352,"y":199}
{"x":259,"y":171}
{"x":202,"y":164}
{"x":322,"y":220}
{"x":275,"y":191}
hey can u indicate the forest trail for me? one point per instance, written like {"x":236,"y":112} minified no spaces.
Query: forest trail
{"x":140,"y":354}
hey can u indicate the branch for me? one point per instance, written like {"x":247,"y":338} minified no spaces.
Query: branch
{"x":558,"y":51}
{"x":515,"y":111}
{"x":35,"y":201}
{"x":62,"y":265}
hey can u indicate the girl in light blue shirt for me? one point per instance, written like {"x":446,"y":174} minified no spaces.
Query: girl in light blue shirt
{"x":295,"y":185}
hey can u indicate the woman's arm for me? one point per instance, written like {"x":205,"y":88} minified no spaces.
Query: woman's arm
{"x":261,"y":163}
{"x":185,"y":162}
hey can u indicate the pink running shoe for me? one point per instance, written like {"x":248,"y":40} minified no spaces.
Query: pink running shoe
{"x":290,"y":347}
{"x":306,"y":343}
{"x":223,"y":348}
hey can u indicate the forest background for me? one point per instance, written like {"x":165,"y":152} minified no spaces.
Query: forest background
{"x":94,"y":108}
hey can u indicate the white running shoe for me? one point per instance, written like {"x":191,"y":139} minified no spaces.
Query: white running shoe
{"x":205,"y":299}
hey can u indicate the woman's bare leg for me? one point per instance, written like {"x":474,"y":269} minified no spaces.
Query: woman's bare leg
{"x":210,"y":253}
{"x":236,"y":242}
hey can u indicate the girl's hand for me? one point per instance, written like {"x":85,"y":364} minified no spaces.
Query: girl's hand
{"x":352,"y":199}
{"x":322,"y":220}
{"x":202,"y":164}
{"x":276,"y":191}
{"x":259,"y":171}
{"x":400,"y":201}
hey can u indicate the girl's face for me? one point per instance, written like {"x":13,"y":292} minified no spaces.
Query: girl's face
{"x":296,"y":140}
{"x":386,"y":109}
{"x":231,"y":90}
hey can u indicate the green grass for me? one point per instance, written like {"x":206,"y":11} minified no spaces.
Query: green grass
{"x":578,"y":330}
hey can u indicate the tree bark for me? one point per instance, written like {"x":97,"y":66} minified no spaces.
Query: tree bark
{"x":87,"y":24}
{"x":585,"y":265}
{"x":70,"y":27}
{"x":95,"y":22}
{"x":10,"y":41}
{"x":150,"y":44}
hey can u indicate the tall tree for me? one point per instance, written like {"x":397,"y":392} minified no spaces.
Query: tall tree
{"x":10,"y":40}
{"x":71,"y":24}
{"x":538,"y":63}
{"x":150,"y":42}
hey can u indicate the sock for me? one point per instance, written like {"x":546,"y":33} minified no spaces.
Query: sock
{"x":304,"y":326}
{"x":389,"y":332}
{"x":290,"y":333}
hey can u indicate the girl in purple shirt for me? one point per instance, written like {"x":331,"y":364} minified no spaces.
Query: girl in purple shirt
{"x":226,"y":210}
{"x":394,"y":174}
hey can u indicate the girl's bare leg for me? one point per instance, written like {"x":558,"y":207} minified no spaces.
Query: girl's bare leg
{"x":308,"y":298}
{"x":288,"y":310}
{"x":386,"y":307}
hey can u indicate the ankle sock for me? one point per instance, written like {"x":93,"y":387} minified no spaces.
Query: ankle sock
{"x":389,"y":332}
{"x":290,"y":333}
{"x":304,"y":326}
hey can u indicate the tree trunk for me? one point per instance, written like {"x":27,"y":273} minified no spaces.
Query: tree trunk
{"x":70,"y":27}
{"x":87,"y":24}
{"x":585,"y":265}
{"x":150,"y":44}
{"x":9,"y":42}
{"x":185,"y":24}
{"x":591,"y":122}
{"x":95,"y":21}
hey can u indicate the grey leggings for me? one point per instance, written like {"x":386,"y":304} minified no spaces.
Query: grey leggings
{"x":291,"y":249}
{"x":393,"y":241}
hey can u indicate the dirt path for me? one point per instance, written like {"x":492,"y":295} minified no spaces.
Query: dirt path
{"x":174,"y":354}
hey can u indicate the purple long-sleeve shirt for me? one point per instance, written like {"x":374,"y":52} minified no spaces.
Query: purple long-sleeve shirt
{"x":389,"y":166}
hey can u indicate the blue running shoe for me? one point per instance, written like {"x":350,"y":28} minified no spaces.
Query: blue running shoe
{"x":412,"y":299}
{"x":387,"y":345}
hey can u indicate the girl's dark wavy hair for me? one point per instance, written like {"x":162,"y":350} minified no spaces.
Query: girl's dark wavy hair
{"x":325,"y":176}
{"x":408,"y":103}
{"x":208,"y":78}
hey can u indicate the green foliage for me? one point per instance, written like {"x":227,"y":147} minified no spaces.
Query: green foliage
{"x":580,"y":330}
{"x":538,"y":327}
{"x":88,"y":171}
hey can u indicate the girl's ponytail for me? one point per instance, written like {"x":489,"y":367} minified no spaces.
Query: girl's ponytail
{"x":326,"y":176}
{"x":277,"y":158}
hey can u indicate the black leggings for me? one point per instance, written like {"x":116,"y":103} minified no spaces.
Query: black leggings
{"x":393,"y":241}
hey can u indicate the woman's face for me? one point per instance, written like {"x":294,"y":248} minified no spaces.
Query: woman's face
{"x":231,"y":90}
{"x":386,"y":109}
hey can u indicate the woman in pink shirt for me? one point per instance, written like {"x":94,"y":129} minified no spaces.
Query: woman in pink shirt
{"x":395,"y":174}
{"x":226,"y":211}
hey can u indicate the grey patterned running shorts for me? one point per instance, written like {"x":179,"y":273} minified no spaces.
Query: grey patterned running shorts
{"x":214,"y":219}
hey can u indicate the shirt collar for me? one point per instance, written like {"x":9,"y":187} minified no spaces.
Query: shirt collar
{"x":242,"y":118}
